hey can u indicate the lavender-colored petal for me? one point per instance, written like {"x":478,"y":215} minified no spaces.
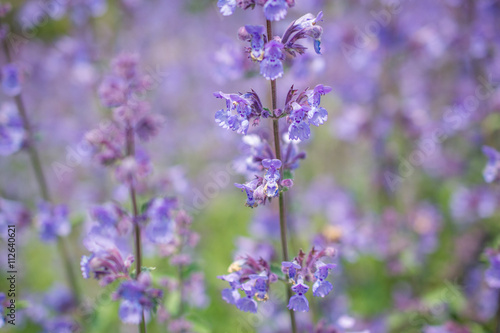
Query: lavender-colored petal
{"x":275,"y":10}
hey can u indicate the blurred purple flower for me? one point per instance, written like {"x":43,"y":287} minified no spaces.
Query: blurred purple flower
{"x":12,"y":134}
{"x":11,"y":80}
{"x":52,"y":221}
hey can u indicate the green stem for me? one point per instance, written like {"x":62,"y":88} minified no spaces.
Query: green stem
{"x":129,"y":134}
{"x":42,"y":182}
{"x":277,"y":148}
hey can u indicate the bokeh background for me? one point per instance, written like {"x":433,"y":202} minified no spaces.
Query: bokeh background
{"x":393,"y":180}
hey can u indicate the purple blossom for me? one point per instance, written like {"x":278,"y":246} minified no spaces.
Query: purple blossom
{"x":272,"y":176}
{"x":305,"y":110}
{"x":275,"y":10}
{"x":136,"y":297}
{"x":299,"y":302}
{"x":290,"y":268}
{"x":321,"y":287}
{"x":240,"y":109}
{"x":490,"y":172}
{"x":11,"y":80}
{"x":227,"y":7}
{"x":492,"y":274}
{"x":305,"y":26}
{"x":247,"y":303}
{"x":256,"y":36}
{"x":271,"y":67}
{"x":53,"y":221}
{"x":12,"y":134}
{"x":160,"y":227}
{"x":231,"y":295}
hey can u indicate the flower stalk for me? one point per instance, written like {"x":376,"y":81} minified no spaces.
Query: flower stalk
{"x":277,"y":148}
{"x":42,"y":180}
{"x":129,"y":134}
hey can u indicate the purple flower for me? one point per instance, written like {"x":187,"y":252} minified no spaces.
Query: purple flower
{"x":317,"y":115}
{"x":160,"y":228}
{"x":12,"y":212}
{"x":321,"y":287}
{"x":305,"y":110}
{"x":12,"y":132}
{"x":256,"y":33}
{"x":275,"y":10}
{"x":290,"y":268}
{"x":302,"y":28}
{"x":271,"y":66}
{"x":11,"y":80}
{"x":106,"y":262}
{"x":490,"y":172}
{"x":53,"y":221}
{"x":247,"y":303}
{"x":249,"y":192}
{"x":272,"y":176}
{"x":298,"y":129}
{"x":113,"y":91}
{"x":227,"y":7}
{"x":492,"y":274}
{"x":240,"y":109}
{"x":231,"y":295}
{"x":299,"y":302}
{"x":136,"y":297}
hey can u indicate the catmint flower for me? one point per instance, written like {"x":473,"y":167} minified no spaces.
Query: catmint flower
{"x":492,"y":274}
{"x":12,"y":134}
{"x":240,"y":109}
{"x":131,"y":169}
{"x":299,"y":128}
{"x":305,"y":26}
{"x":11,"y":80}
{"x":317,"y":115}
{"x":249,"y":192}
{"x":12,"y":212}
{"x":53,"y":221}
{"x":299,"y":302}
{"x":490,"y":172}
{"x":137,"y":296}
{"x":253,"y":278}
{"x":304,"y":110}
{"x":271,"y":67}
{"x":113,"y":91}
{"x":290,"y":268}
{"x":257,"y":40}
{"x":148,"y":126}
{"x":272,"y":176}
{"x":321,"y":287}
{"x":247,"y":303}
{"x":160,"y":227}
{"x":227,"y":7}
{"x":106,"y":265}
{"x":275,"y":10}
{"x":231,"y":295}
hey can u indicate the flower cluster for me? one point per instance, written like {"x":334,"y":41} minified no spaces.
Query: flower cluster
{"x":308,"y":267}
{"x":271,"y":53}
{"x":260,"y":189}
{"x":274,"y":10}
{"x":251,"y":276}
{"x":137,"y":296}
{"x":301,"y":109}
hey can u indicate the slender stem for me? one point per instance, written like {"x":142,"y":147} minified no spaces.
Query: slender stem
{"x":41,"y":181}
{"x":277,"y":148}
{"x":181,"y":289}
{"x":129,"y":134}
